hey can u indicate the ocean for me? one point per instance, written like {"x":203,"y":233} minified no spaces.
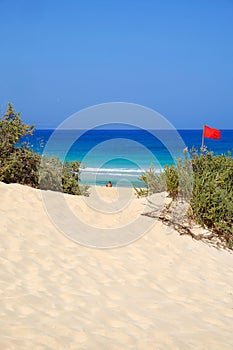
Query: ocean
{"x":120,"y":155}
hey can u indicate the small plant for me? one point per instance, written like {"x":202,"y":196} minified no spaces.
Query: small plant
{"x":154,"y":183}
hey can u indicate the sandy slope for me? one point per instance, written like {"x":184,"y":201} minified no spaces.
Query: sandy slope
{"x":161,"y":292}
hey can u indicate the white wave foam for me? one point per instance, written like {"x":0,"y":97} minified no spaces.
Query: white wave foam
{"x":116,"y":170}
{"x":113,"y":170}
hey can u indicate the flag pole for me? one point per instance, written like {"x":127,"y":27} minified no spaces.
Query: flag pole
{"x":203,"y":138}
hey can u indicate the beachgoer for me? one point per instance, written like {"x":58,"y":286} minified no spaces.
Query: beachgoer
{"x":109,"y":184}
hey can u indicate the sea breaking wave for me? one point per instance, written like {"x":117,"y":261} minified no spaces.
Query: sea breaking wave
{"x":116,"y":171}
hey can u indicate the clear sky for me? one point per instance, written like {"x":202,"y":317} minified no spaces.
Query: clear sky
{"x":59,"y":56}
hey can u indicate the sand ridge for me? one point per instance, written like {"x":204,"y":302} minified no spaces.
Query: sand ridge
{"x":161,"y":292}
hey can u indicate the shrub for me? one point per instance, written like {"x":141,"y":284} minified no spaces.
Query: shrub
{"x":55,"y":176}
{"x":12,"y":129}
{"x":171,"y":178}
{"x":17,"y":164}
{"x":22,"y":165}
{"x":211,"y":202}
{"x":207,"y":182}
{"x":176,"y":180}
{"x":50,"y":174}
{"x":154,"y":183}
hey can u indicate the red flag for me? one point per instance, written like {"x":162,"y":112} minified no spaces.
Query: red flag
{"x":211,"y":133}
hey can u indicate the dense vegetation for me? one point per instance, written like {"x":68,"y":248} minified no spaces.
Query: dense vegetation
{"x":208,"y":188}
{"x":22,"y":165}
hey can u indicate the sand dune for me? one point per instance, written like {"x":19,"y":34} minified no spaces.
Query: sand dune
{"x":162,"y":291}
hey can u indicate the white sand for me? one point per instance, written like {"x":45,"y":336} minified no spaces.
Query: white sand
{"x":161,"y":292}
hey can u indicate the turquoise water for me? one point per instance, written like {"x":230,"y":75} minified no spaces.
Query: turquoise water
{"x":121,"y":156}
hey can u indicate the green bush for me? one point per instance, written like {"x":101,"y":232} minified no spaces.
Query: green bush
{"x":55,"y":176}
{"x":50,"y":174}
{"x":177,"y":180}
{"x":154,"y":183}
{"x":211,"y":202}
{"x":22,"y":165}
{"x":171,"y":179}
{"x":12,"y":129}
{"x":207,"y":182}
{"x":17,"y":164}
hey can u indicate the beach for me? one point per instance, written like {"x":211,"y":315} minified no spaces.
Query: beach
{"x":159,"y":291}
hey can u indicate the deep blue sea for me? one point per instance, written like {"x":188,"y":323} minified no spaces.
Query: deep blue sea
{"x":120,"y":156}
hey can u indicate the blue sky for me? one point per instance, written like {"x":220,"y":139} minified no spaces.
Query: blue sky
{"x":57,"y":57}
